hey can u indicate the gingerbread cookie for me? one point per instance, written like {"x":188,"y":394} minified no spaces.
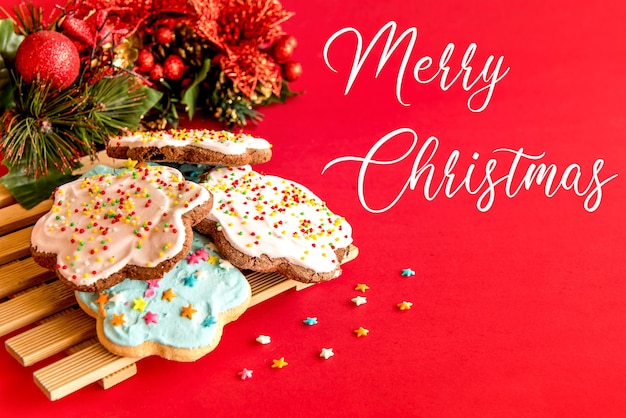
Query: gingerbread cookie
{"x":179,"y":317}
{"x":266,"y":223}
{"x":105,"y":227}
{"x":201,"y":146}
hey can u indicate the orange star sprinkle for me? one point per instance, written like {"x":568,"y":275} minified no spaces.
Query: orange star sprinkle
{"x":279,"y":364}
{"x":168,"y":295}
{"x":362,"y":287}
{"x":361,"y":332}
{"x":102,"y":299}
{"x":118,"y":319}
{"x":188,"y":311}
{"x":404,"y":306}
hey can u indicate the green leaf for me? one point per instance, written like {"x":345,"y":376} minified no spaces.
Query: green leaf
{"x":9,"y":40}
{"x":191,"y":94}
{"x":28,"y":191}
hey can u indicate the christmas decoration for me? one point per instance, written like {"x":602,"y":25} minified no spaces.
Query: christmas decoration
{"x":90,"y":68}
{"x":49,"y":56}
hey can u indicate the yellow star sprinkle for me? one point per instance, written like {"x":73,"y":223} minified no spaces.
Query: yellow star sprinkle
{"x":118,"y":319}
{"x":213,"y":259}
{"x":139,"y":304}
{"x":130,"y":164}
{"x":403,"y":306}
{"x":361,"y":332}
{"x":362,"y":287}
{"x":168,"y":295}
{"x":279,"y":364}
{"x":188,"y":311}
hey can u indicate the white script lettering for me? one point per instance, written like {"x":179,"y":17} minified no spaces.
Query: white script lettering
{"x":424,"y":169}
{"x":488,"y":75}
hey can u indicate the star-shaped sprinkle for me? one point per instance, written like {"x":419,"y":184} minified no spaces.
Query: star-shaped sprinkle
{"x":190,"y":280}
{"x":202,"y":274}
{"x":149,"y":292}
{"x":188,"y":311}
{"x":310,"y":321}
{"x":404,"y":305}
{"x":359,"y":300}
{"x":279,"y":364}
{"x":209,"y":321}
{"x":362,"y":287}
{"x":361,"y":332}
{"x":214,"y":259}
{"x":139,"y":304}
{"x":195,"y":258}
{"x":102,"y":298}
{"x":151,"y":318}
{"x":117,"y":298}
{"x":245,"y":374}
{"x":153,"y":283}
{"x":118,"y":319}
{"x":407,"y":272}
{"x":263,"y":339}
{"x":168,"y":295}
{"x":130,"y":164}
{"x":327,"y":353}
{"x":225,"y":264}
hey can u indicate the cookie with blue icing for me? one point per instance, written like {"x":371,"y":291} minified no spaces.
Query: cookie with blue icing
{"x":178,"y":317}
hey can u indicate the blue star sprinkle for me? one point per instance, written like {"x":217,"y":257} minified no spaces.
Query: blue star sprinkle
{"x":407,"y":272}
{"x":190,"y":280}
{"x":310,"y":321}
{"x":210,"y":320}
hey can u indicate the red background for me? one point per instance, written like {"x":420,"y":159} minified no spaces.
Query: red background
{"x":519,"y":311}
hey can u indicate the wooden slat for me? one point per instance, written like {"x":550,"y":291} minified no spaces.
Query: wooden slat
{"x":267,"y":285}
{"x":59,"y":334}
{"x":34,"y":305}
{"x":14,"y":217}
{"x":78,"y":370}
{"x":118,"y":376}
{"x":15,"y":245}
{"x":20,"y":275}
{"x":6,"y":198}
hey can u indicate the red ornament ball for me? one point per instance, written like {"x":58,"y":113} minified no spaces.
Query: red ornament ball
{"x":291,"y":70}
{"x":174,"y":68}
{"x":164,"y":35}
{"x":145,"y":61}
{"x":283,"y":48}
{"x":156,"y":73}
{"x":49,"y":56}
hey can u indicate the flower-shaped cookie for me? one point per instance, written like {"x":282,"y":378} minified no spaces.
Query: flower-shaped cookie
{"x":203,"y":146}
{"x":179,"y":317}
{"x":267,"y":223}
{"x":116,"y":224}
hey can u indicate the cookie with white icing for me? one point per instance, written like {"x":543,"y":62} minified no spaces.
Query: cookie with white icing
{"x":179,"y":317}
{"x":115,"y":224}
{"x":200,"y":146}
{"x":267,"y":223}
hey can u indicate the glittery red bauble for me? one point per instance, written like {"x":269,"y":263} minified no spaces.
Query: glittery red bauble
{"x":164,"y":35}
{"x":291,"y":70}
{"x":145,"y":61}
{"x":156,"y":73}
{"x":173,"y":68}
{"x":283,"y":48}
{"x":49,"y":55}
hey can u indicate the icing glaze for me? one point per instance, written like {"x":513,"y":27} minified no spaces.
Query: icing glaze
{"x":100,"y":223}
{"x":169,"y":311}
{"x":224,"y":142}
{"x":264,"y":214}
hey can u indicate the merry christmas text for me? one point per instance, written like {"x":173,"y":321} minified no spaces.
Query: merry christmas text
{"x":523,"y":171}
{"x":424,"y":70}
